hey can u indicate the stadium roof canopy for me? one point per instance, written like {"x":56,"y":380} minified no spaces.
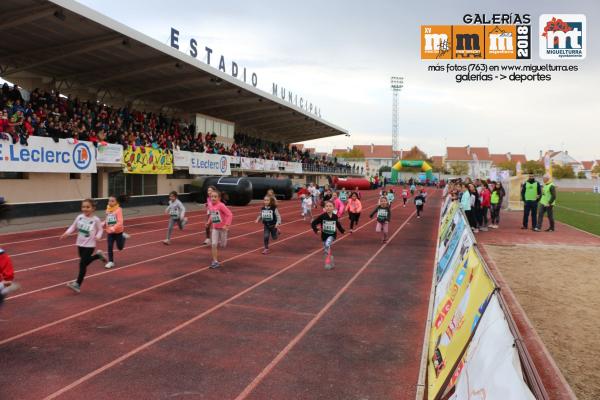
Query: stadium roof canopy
{"x":82,"y":52}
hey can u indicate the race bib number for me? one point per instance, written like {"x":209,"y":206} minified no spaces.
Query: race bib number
{"x":215,"y":217}
{"x":111,"y":219}
{"x":329,"y":227}
{"x":404,"y":193}
{"x":382,"y":214}
{"x":84,"y":228}
{"x":267,"y":215}
{"x":419,"y":202}
{"x":390,"y":197}
{"x":343,"y":197}
{"x":174,"y":213}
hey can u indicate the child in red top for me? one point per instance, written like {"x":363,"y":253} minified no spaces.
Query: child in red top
{"x":485,"y":199}
{"x":221,"y":218}
{"x":354,"y":207}
{"x":7,"y":275}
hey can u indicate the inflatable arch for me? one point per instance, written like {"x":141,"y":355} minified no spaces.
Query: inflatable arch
{"x":412,"y":163}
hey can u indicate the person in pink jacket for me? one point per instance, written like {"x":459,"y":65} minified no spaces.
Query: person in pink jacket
{"x":337,"y":204}
{"x":221,"y":218}
{"x":354,"y":207}
{"x":114,"y":227}
{"x":89,"y":229}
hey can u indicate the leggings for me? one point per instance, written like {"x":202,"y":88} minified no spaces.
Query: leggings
{"x":354,"y":217}
{"x":111,"y":239}
{"x":404,"y":200}
{"x":419,"y":210}
{"x":85,"y":259}
{"x":471,"y":219}
{"x":172,"y":223}
{"x":270,"y":231}
{"x":484,"y":215}
{"x":495,"y":214}
{"x":327,"y":244}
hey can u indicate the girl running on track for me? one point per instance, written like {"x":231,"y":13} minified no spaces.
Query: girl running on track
{"x":354,"y":207}
{"x":391,"y":196}
{"x":221,"y":218}
{"x":176,"y":212}
{"x":413,"y":188}
{"x":337,"y":204}
{"x":384,"y":215}
{"x":316,"y":194}
{"x":114,"y":227}
{"x":271,"y":219}
{"x":89,"y":229}
{"x":208,"y":221}
{"x":329,"y":225}
{"x":306,"y":202}
{"x":419,"y":203}
{"x":7,"y":276}
{"x":404,"y":196}
{"x":343,"y":196}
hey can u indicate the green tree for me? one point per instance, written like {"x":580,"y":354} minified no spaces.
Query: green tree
{"x":562,"y":172}
{"x":384,"y":168}
{"x":509,"y":165}
{"x":581,"y":175}
{"x":596,"y":170}
{"x":459,"y":168}
{"x":533,"y":167}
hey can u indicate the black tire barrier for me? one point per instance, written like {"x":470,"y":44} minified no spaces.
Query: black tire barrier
{"x":283,"y":188}
{"x":235,"y":191}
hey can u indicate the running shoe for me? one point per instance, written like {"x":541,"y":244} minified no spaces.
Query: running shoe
{"x":537,"y":230}
{"x":101,"y":256}
{"x":207,"y":241}
{"x":524,"y":227}
{"x":109,"y":265}
{"x":74,"y":286}
{"x":214,"y":265}
{"x":166,"y":242}
{"x":9,"y":289}
{"x":549,"y":230}
{"x":265,"y":251}
{"x":126,"y":235}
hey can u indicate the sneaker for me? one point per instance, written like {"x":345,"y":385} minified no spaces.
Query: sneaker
{"x":549,"y":230}
{"x":483,"y":229}
{"x":109,"y":265}
{"x":537,"y":230}
{"x":185,"y":221}
{"x":384,"y":241}
{"x":166,"y":242}
{"x":475,"y":230}
{"x":207,"y":241}
{"x":418,"y":217}
{"x":351,"y":231}
{"x":214,"y":265}
{"x":523,"y":227}
{"x":404,"y":205}
{"x":74,"y":286}
{"x":265,"y":251}
{"x":126,"y":235}
{"x":9,"y":289}
{"x":101,"y":256}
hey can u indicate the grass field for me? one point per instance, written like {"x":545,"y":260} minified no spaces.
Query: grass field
{"x":580,"y":209}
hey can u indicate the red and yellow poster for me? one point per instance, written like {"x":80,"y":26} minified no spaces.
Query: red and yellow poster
{"x":147,"y":160}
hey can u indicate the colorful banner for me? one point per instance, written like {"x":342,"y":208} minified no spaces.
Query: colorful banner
{"x":445,"y":222}
{"x":491,"y":368}
{"x":209,"y":164}
{"x":181,"y":159}
{"x":271,"y":165}
{"x":44,"y":155}
{"x":109,"y":153}
{"x":253,"y":164}
{"x":147,"y":160}
{"x":455,"y":319}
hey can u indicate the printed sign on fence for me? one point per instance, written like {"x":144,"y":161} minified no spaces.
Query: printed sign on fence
{"x":271,"y":165}
{"x":209,"y":164}
{"x":147,"y":160}
{"x":455,"y":319}
{"x":491,"y":364}
{"x":109,"y":153}
{"x":254,"y":164}
{"x":44,"y":155}
{"x":181,"y":159}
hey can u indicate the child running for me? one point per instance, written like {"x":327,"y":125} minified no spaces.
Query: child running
{"x":114,"y":227}
{"x":208,"y":220}
{"x":176,"y":212}
{"x":354,"y":207}
{"x":391,"y":196}
{"x":329,"y":224}
{"x":307,"y":203}
{"x":404,"y":196}
{"x":343,"y":196}
{"x":221,"y":218}
{"x":337,"y":204}
{"x":419,"y":203}
{"x":271,"y":219}
{"x":384,"y":215}
{"x":7,"y":276}
{"x":89,"y":229}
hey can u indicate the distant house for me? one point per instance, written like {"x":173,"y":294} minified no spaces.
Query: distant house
{"x":498,"y":159}
{"x":562,"y":158}
{"x":437,"y":161}
{"x":477,"y":158}
{"x":588,"y":167}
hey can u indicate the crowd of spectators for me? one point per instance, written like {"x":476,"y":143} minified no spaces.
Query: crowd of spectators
{"x":49,"y":114}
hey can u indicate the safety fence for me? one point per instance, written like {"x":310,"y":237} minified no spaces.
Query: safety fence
{"x":473,"y":347}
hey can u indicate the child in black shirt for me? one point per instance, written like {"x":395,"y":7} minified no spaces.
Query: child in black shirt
{"x":384,"y":215}
{"x":329,"y":223}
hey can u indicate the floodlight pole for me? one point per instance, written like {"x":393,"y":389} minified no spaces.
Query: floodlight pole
{"x":397,"y":83}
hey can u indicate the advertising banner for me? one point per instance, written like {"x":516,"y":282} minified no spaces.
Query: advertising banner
{"x":491,"y":364}
{"x":271,"y":165}
{"x":147,"y":160}
{"x":294,"y":167}
{"x":254,"y":164}
{"x":181,"y":159}
{"x":42,"y":154}
{"x":209,"y":164}
{"x":455,"y":319}
{"x":445,"y":223}
{"x":109,"y":153}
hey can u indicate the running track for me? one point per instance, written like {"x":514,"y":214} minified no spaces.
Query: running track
{"x":162,"y":325}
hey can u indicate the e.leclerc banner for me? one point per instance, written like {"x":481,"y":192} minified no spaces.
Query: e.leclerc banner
{"x":44,"y":155}
{"x":147,"y":160}
{"x":209,"y":164}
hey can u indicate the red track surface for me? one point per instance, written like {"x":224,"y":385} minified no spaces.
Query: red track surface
{"x":162,"y":325}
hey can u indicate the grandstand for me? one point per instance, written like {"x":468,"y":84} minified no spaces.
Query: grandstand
{"x":85,"y":77}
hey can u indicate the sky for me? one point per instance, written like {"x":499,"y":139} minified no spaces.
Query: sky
{"x":340,"y":54}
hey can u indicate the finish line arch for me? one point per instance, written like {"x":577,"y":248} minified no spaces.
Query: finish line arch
{"x":425,"y":167}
